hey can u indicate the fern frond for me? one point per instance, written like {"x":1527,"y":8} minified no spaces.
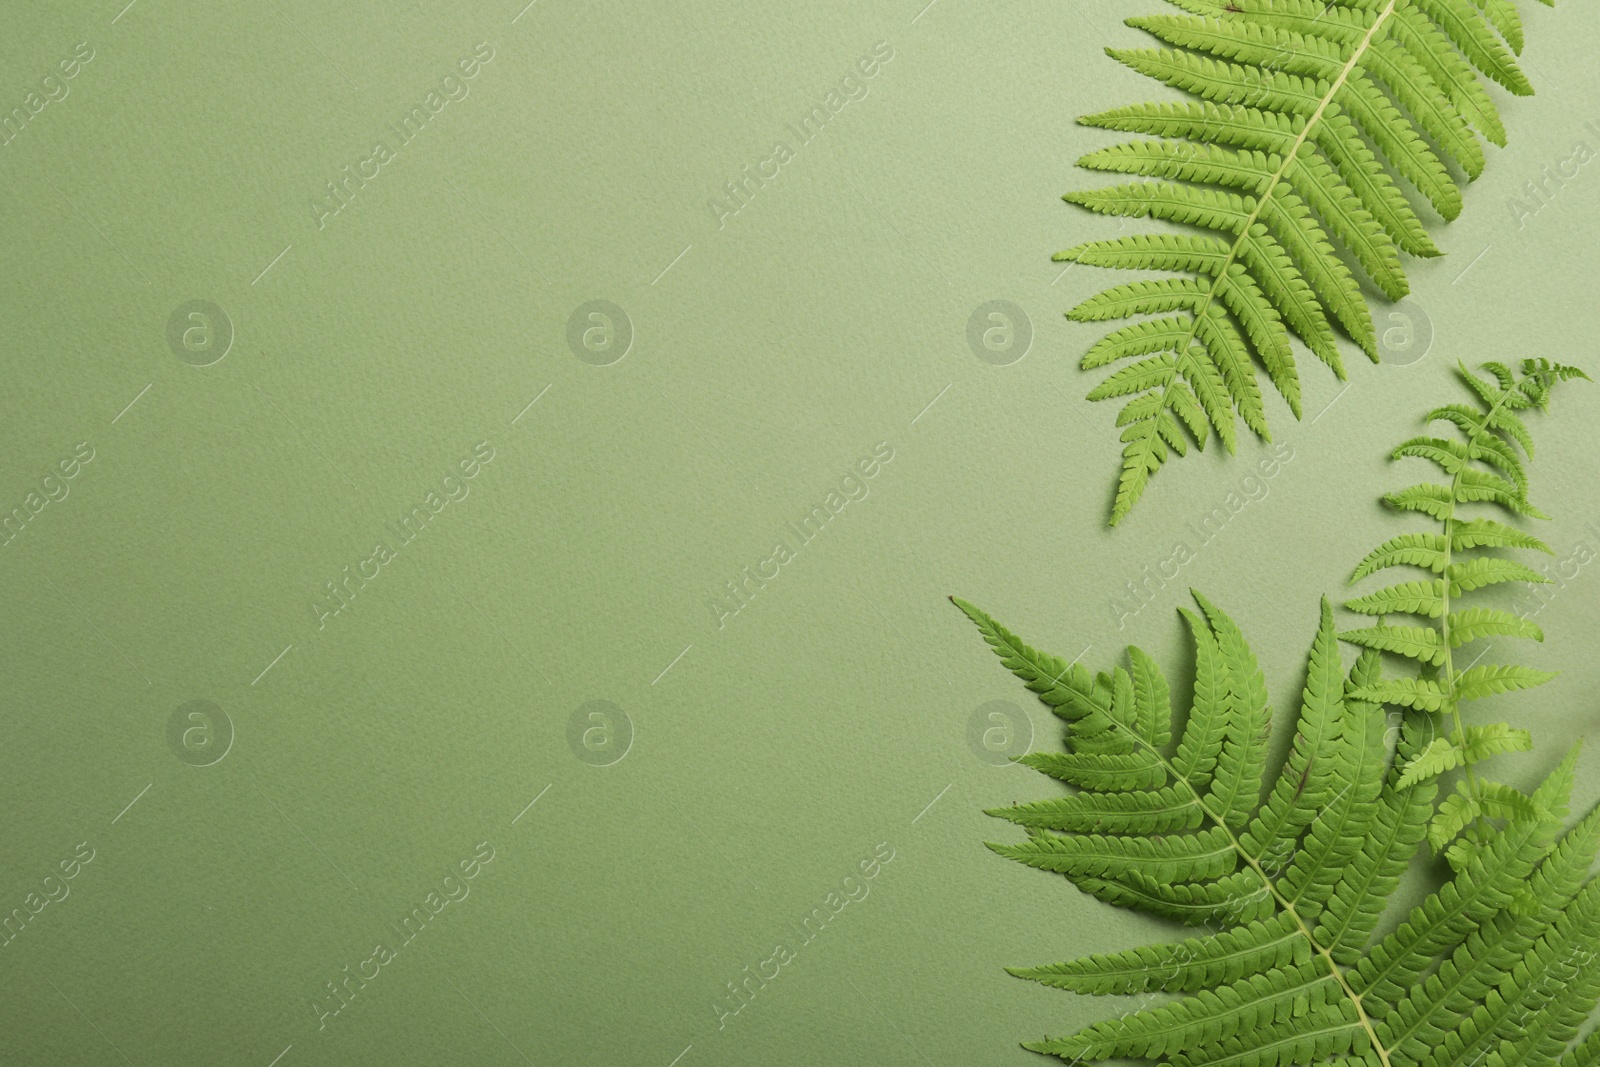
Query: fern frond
{"x":1206,"y":1018}
{"x":1236,"y":780}
{"x":1288,"y":871}
{"x":1273,"y":157}
{"x":1333,"y":840}
{"x":1286,"y":974}
{"x":1484,"y":466}
{"x":1053,"y":680}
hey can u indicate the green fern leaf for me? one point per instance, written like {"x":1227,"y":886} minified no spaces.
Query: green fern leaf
{"x":1505,"y":802}
{"x":1100,"y":772}
{"x":1286,"y":977}
{"x":1152,"y":699}
{"x":1204,"y":856}
{"x":1159,"y":812}
{"x":1493,"y":740}
{"x":1236,"y":781}
{"x":1441,"y":754}
{"x":1424,"y":694}
{"x":1410,"y":598}
{"x":1585,"y":1054}
{"x":1456,"y":812}
{"x":1435,"y":501}
{"x":1399,"y":821}
{"x":1450,"y":455}
{"x":1140,"y":339}
{"x":1425,"y":1018}
{"x":1287,"y":872}
{"x":1334,"y":839}
{"x":1480,"y":485}
{"x":1488,"y":570}
{"x":1486,"y":887}
{"x":1416,"y":549}
{"x":1195,"y":963}
{"x":1486,"y":533}
{"x":1297,"y":115}
{"x":1234,"y":899}
{"x":1417,"y":642}
{"x":1313,"y":761}
{"x":1474,"y":623}
{"x":1490,"y":679}
{"x":1053,"y":680}
{"x":1209,"y":719}
{"x":1486,"y":473}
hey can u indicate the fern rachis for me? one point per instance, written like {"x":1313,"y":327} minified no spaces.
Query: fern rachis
{"x":1274,"y":159}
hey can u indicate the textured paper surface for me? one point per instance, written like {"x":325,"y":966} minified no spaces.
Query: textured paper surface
{"x":763,"y":762}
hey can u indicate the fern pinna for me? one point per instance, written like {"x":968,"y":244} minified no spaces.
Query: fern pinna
{"x":1273,"y":160}
{"x":1485,"y":472}
{"x":1493,"y":967}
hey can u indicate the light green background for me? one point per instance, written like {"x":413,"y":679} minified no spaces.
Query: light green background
{"x":770,"y":355}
